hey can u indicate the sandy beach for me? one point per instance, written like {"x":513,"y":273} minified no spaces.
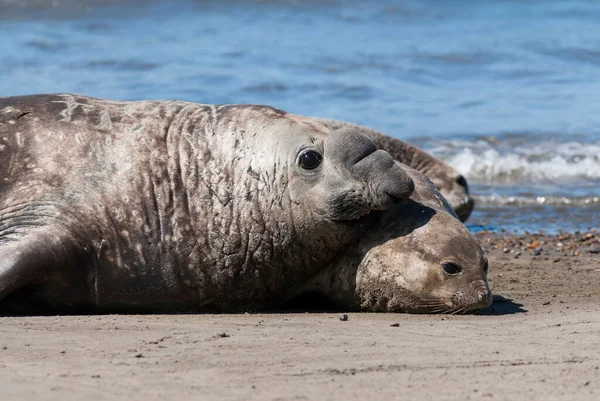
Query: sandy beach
{"x":540,"y":340}
{"x":505,"y":92}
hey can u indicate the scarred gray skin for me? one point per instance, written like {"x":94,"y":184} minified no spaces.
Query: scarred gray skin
{"x":167,"y":206}
{"x":452,"y":185}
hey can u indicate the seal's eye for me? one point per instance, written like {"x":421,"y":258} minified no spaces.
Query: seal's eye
{"x":451,"y":268}
{"x":310,"y":160}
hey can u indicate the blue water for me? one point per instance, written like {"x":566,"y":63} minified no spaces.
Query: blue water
{"x":505,"y":91}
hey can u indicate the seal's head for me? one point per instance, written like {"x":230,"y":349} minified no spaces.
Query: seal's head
{"x":388,"y":239}
{"x":453,"y":186}
{"x":424,"y":261}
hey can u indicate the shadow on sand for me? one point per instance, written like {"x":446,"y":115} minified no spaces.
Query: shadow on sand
{"x":502,"y":306}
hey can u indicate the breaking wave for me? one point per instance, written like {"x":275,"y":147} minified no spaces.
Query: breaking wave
{"x":509,"y":200}
{"x":522,"y":159}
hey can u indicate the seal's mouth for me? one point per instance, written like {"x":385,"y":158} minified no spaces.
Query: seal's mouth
{"x":458,"y":304}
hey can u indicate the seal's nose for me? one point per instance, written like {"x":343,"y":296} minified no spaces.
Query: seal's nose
{"x":387,"y":179}
{"x":485,"y":297}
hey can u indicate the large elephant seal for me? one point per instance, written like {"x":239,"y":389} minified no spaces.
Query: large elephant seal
{"x":448,"y":181}
{"x":165,"y":206}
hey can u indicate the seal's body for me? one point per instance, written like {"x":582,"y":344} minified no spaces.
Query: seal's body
{"x":165,"y":205}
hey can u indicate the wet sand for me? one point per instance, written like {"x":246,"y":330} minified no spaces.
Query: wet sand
{"x":539,"y":341}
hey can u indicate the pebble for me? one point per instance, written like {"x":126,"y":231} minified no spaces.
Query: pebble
{"x":536,"y":251}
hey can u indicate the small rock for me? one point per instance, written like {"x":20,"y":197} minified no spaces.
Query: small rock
{"x":587,"y":237}
{"x":139,"y":355}
{"x":395,"y":325}
{"x":344,"y":318}
{"x":595,"y":249}
{"x":546,"y":303}
{"x":506,"y":250}
{"x":223,"y":335}
{"x":536,"y":251}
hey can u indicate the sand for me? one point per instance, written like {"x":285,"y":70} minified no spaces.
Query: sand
{"x":539,"y":341}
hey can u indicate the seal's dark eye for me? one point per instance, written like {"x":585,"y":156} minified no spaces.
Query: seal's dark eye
{"x":310,"y":160}
{"x":451,"y":268}
{"x":461,"y":181}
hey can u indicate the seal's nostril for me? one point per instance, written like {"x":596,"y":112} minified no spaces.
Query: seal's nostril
{"x":484,"y":297}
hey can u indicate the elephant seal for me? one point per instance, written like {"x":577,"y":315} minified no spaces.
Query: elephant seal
{"x":112,"y":206}
{"x":448,"y":181}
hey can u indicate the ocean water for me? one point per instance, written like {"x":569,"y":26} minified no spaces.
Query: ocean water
{"x":507,"y":92}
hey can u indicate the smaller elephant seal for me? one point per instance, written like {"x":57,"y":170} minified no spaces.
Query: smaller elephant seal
{"x":448,"y":181}
{"x":110,"y":206}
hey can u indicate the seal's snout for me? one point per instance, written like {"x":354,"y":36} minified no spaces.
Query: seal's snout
{"x":384,"y":181}
{"x":485,"y":298}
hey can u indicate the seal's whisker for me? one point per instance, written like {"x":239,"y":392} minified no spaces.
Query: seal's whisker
{"x":454,"y":310}
{"x":431,"y":302}
{"x":434,"y":305}
{"x":461,"y":310}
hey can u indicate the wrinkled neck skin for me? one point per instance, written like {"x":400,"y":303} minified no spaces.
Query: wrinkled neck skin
{"x":225,"y":219}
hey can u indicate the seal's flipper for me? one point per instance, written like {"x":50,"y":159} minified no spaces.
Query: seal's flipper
{"x":22,"y":263}
{"x":32,"y":259}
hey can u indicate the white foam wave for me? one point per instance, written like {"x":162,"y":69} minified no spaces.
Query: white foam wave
{"x":500,"y":162}
{"x":499,"y":200}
